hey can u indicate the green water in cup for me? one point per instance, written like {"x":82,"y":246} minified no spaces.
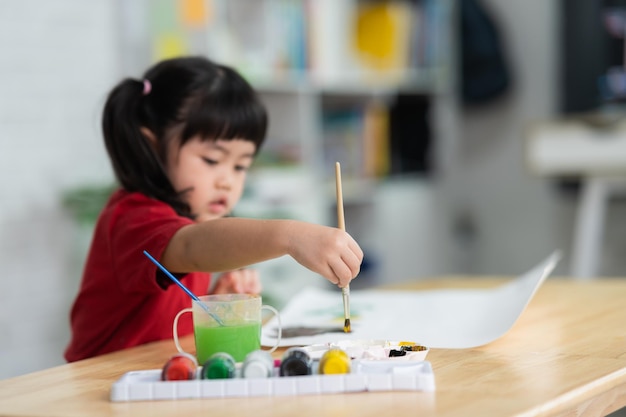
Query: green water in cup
{"x":238,"y":340}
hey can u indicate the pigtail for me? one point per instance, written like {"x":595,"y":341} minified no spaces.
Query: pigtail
{"x":136,"y":162}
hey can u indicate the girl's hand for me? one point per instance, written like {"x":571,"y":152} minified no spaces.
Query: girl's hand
{"x":328,"y":251}
{"x":240,"y":281}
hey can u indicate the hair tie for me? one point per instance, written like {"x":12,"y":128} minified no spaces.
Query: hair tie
{"x":147,"y":87}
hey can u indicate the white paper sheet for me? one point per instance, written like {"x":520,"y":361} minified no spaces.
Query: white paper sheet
{"x":449,"y":318}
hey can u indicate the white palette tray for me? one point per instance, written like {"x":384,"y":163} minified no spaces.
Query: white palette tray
{"x":367,"y":376}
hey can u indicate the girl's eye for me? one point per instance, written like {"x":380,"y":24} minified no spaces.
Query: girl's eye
{"x":210,"y":161}
{"x":241,"y":168}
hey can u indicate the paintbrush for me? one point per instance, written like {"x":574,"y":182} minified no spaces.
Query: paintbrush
{"x":345,"y":291}
{"x":185,"y":289}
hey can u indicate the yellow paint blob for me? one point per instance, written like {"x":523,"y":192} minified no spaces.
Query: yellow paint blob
{"x":335,"y":361}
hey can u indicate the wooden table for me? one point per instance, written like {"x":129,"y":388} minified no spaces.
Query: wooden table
{"x":566,"y":355}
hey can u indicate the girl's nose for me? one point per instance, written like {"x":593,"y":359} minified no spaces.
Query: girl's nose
{"x":224,"y":180}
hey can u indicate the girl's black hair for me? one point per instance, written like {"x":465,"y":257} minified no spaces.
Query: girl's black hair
{"x":188,"y":97}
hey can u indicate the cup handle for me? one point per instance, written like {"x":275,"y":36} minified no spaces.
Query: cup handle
{"x":175,"y":328}
{"x":280,"y":326}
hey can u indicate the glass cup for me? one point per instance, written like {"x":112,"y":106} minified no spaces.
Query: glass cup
{"x":239,"y":332}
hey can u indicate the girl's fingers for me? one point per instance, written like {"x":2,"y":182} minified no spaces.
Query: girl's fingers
{"x":343,"y":273}
{"x":251,"y":282}
{"x":242,"y":281}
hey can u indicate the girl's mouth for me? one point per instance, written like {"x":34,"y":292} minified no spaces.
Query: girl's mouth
{"x":218,"y":206}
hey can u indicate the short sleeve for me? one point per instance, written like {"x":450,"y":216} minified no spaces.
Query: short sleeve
{"x":140,"y":223}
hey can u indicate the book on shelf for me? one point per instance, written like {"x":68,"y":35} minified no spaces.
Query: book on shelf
{"x":342,"y":131}
{"x":381,"y":34}
{"x":376,"y":140}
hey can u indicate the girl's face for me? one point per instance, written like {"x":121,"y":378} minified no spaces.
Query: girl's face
{"x":211,"y":174}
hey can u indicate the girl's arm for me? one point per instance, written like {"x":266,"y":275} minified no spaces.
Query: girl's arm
{"x":231,"y":243}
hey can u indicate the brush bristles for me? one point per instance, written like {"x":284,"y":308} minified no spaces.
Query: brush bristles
{"x":346,"y":326}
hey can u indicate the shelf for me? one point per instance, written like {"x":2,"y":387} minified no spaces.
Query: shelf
{"x":369,"y":83}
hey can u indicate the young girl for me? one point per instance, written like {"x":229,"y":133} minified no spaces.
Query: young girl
{"x":181,"y":141}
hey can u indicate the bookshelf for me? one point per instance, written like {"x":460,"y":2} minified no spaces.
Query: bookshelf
{"x":340,"y":79}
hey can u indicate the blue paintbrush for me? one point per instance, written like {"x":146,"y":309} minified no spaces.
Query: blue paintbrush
{"x":180,"y":284}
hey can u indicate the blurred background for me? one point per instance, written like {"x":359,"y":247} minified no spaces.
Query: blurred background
{"x":450,"y":119}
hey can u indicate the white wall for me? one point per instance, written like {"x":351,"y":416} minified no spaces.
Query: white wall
{"x":58,"y":60}
{"x":516,"y":217}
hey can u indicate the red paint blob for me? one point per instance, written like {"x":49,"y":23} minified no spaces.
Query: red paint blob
{"x":179,"y":368}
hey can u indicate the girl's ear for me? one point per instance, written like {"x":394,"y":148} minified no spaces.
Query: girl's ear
{"x":149,"y":135}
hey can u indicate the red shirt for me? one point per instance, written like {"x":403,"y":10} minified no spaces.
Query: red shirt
{"x":120,"y":303}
